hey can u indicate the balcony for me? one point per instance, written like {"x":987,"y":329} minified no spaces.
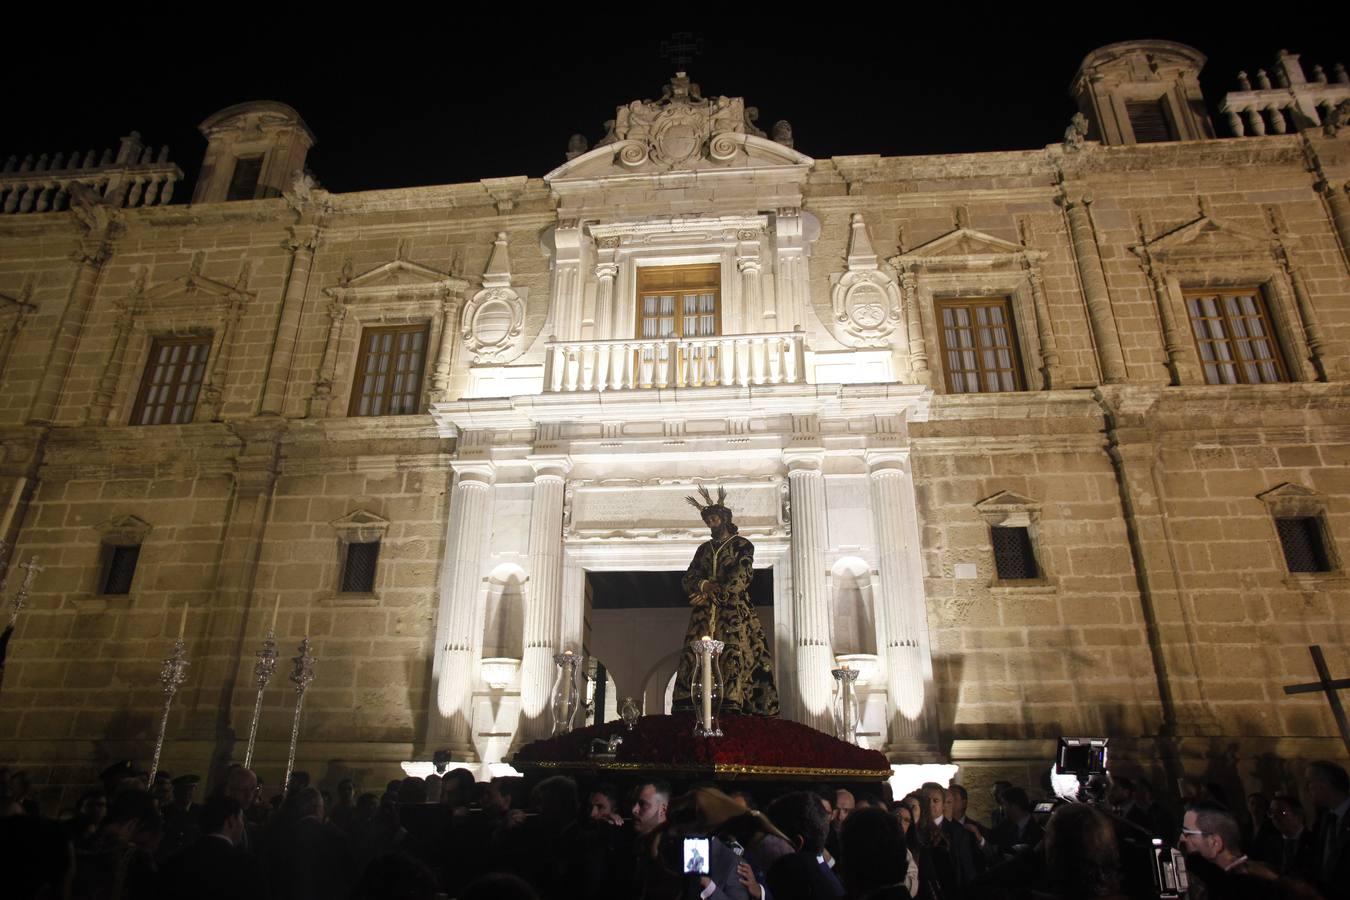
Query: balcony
{"x":728,"y":360}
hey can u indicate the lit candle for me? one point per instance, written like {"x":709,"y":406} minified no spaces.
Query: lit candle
{"x":307,"y":612}
{"x":707,"y":686}
{"x":182,"y":622}
{"x":275,"y":609}
{"x":13,"y":505}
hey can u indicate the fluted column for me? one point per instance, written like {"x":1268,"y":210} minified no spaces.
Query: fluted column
{"x":750,"y":294}
{"x":903,"y":613}
{"x":1101,"y":318}
{"x":605,"y":273}
{"x":810,"y":607}
{"x":303,"y":241}
{"x":461,"y":578}
{"x":543,"y":608}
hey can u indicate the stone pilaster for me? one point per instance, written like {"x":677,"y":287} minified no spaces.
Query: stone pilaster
{"x":789,"y":272}
{"x":445,"y":349}
{"x":543,"y":610}
{"x":1087,"y":256}
{"x":452,"y":675}
{"x":93,"y":253}
{"x":1176,"y":343}
{"x":918,"y":347}
{"x":1045,"y":326}
{"x":304,"y":240}
{"x":810,"y":607}
{"x":101,"y":408}
{"x":605,"y":314}
{"x":909,"y":676}
{"x":567,"y":294}
{"x":323,"y":385}
{"x":756,"y":319}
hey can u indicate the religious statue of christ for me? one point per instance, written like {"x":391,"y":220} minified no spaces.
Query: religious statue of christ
{"x":718,"y":586}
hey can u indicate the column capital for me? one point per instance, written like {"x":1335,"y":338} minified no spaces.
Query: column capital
{"x":474,"y":471}
{"x":804,"y":460}
{"x":550,"y":467}
{"x":891,"y":460}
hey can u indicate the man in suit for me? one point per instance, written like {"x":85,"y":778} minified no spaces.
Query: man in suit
{"x":1019,"y":830}
{"x":1329,"y":787}
{"x":1122,"y":800}
{"x":1288,"y":846}
{"x":215,"y":866}
{"x":802,"y":875}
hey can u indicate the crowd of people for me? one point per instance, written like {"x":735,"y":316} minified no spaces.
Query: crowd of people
{"x":453,"y":837}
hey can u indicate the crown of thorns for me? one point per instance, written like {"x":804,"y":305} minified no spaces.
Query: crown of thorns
{"x":720,"y":503}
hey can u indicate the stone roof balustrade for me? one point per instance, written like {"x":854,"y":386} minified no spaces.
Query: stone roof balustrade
{"x":1285,"y":100}
{"x":133,"y":176}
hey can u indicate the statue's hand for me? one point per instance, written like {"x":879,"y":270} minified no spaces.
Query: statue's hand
{"x":697,"y":599}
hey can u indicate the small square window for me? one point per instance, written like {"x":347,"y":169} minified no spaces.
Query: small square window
{"x":358,"y":568}
{"x":1014,"y":558}
{"x":121,"y":569}
{"x":1301,"y":540}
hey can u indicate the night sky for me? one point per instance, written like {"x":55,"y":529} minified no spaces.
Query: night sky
{"x":403,"y":100}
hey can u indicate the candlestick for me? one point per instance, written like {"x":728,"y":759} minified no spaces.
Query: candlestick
{"x":708,"y":687}
{"x":301,"y":675}
{"x":848,"y":713}
{"x":172,"y":674}
{"x":263,"y":670}
{"x":564,"y":707}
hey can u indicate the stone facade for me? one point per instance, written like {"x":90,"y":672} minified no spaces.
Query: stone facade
{"x":554,"y":439}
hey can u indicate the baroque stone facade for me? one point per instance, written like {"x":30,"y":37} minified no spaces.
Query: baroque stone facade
{"x":556,"y":423}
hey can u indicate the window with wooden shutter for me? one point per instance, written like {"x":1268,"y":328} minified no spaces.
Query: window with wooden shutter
{"x":679,"y":301}
{"x":979,"y":346}
{"x":1150,"y":121}
{"x":244,"y":179}
{"x":389,"y":368}
{"x":172,"y":381}
{"x":1234,"y":338}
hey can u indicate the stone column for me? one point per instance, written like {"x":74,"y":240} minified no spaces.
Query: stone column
{"x":903,"y":613}
{"x":303,"y":241}
{"x":810,"y":603}
{"x":1328,"y":367}
{"x":1101,"y":317}
{"x":323,"y":385}
{"x":93,"y":253}
{"x":445,"y":348}
{"x":918,"y":347}
{"x":452,"y":675}
{"x":101,"y":408}
{"x":789,"y":271}
{"x":1180,"y":350}
{"x":605,"y":272}
{"x":1335,"y":194}
{"x":543,"y":609}
{"x":754,"y":317}
{"x":566,"y":304}
{"x":1045,"y":325}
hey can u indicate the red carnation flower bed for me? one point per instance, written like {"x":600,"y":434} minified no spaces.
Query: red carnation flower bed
{"x":749,"y":742}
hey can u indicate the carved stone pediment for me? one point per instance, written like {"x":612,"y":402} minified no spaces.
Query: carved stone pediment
{"x":398,"y":276}
{"x":361,"y":526}
{"x":1204,"y":237}
{"x":124,"y":531}
{"x":681,"y":131}
{"x":1006,"y":500}
{"x":865,"y":299}
{"x":964,"y":247}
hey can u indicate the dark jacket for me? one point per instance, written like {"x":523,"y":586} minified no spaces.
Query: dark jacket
{"x":212,"y":869}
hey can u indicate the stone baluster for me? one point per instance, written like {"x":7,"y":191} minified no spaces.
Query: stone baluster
{"x":303,"y":241}
{"x":461,"y":579}
{"x":903,"y":613}
{"x":1235,"y":123}
{"x":1101,"y":317}
{"x":1277,"y":123}
{"x":1255,"y":123}
{"x":543,"y":610}
{"x":796,"y":358}
{"x":810,"y":608}
{"x":773,"y":349}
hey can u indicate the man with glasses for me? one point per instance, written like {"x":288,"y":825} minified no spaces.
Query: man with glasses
{"x":1212,"y":832}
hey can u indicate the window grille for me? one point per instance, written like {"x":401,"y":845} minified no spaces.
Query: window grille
{"x":121,"y":569}
{"x":172,"y":381}
{"x":358,"y":569}
{"x":1014,"y":558}
{"x":1234,"y":338}
{"x":979,"y":346}
{"x":1301,"y":540}
{"x":389,"y":371}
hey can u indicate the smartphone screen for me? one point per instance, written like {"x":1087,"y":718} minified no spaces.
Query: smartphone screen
{"x":696,"y":855}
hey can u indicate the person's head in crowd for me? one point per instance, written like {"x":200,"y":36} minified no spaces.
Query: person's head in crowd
{"x":299,"y":779}
{"x":305,"y":803}
{"x":1211,"y":831}
{"x":393,"y":786}
{"x":367,"y":805}
{"x":1082,"y":856}
{"x":1258,"y":807}
{"x":934,"y":801}
{"x":1328,"y":785}
{"x":802,"y":820}
{"x":240,"y":784}
{"x":1121,"y":793}
{"x":556,"y":799}
{"x":498,"y":886}
{"x":162,"y":789}
{"x":914,"y":800}
{"x":434,"y":785}
{"x":185,"y":790}
{"x":412,"y":790}
{"x":867,"y":800}
{"x":650,"y":806}
{"x":486,"y":796}
{"x":602,"y":805}
{"x":133,"y":818}
{"x":457,"y":787}
{"x":948,"y":804}
{"x":1016,"y":805}
{"x":223,"y":816}
{"x":872,"y":851}
{"x":346,"y":792}
{"x":844,"y":803}
{"x":1286,"y":814}
{"x":387,"y":814}
{"x":960,"y":801}
{"x":511,"y":789}
{"x":395,"y":876}
{"x":91,"y":809}
{"x":905,"y":816}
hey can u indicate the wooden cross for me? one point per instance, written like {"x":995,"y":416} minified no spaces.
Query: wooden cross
{"x":1328,"y":685}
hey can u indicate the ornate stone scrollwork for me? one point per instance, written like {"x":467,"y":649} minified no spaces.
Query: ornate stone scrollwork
{"x":494,"y":319}
{"x":866,"y":299}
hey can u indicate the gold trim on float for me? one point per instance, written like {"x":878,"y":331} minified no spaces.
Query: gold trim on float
{"x":716,"y":769}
